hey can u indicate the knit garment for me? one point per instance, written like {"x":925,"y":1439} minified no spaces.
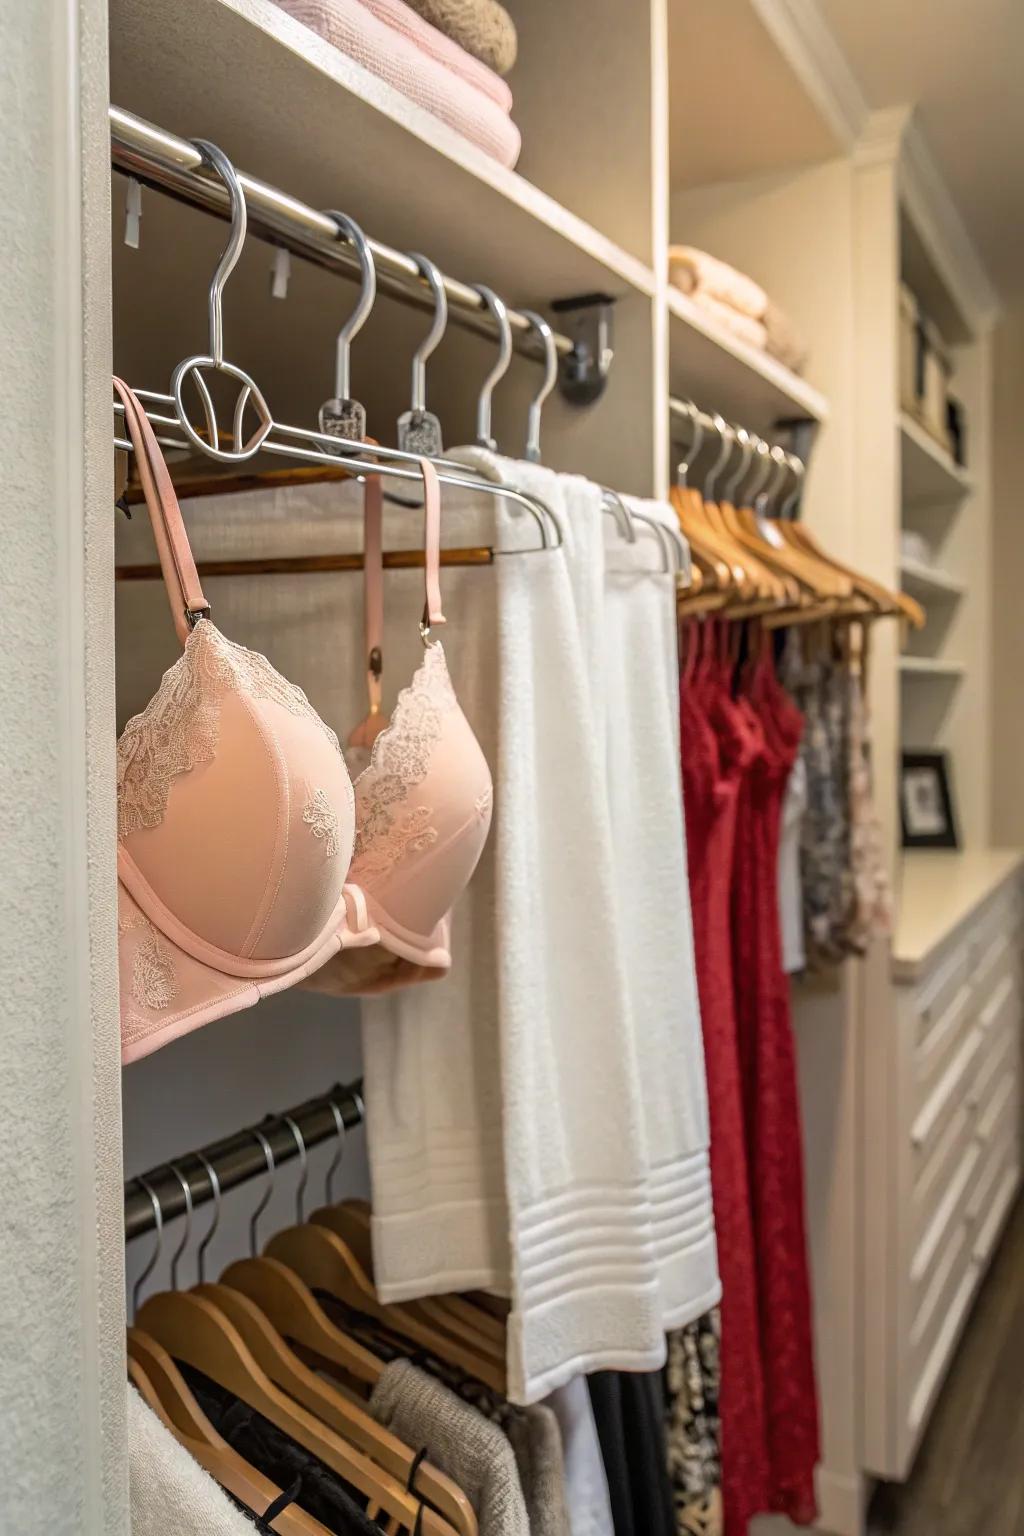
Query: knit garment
{"x":483,"y":27}
{"x":536,"y":1444}
{"x":459,"y":1440}
{"x":428,"y":38}
{"x":170,"y":1494}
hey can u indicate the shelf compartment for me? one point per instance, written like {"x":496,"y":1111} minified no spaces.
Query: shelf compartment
{"x":300,"y":114}
{"x":721,"y":373}
{"x":929,"y":473}
{"x":929,"y":584}
{"x":931,"y":666}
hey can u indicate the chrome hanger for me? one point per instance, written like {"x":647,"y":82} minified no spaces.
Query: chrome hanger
{"x":214,"y":1179}
{"x":158,"y":1227}
{"x":683,"y":468}
{"x":762,"y":469}
{"x":547,"y":336}
{"x":343,"y":416}
{"x":339,"y":1152}
{"x":300,"y":1188}
{"x":613,"y":505}
{"x":727,"y":438}
{"x":745,"y":444}
{"x":788,"y":509}
{"x":499,"y":311}
{"x":767,"y":497}
{"x":419,"y":430}
{"x":268,"y":1153}
{"x":191,"y":367}
{"x":186,"y":1231}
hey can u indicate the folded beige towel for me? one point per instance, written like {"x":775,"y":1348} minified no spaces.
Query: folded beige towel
{"x":783,"y":341}
{"x":694,"y":271}
{"x":733,"y":320}
{"x":483,"y":27}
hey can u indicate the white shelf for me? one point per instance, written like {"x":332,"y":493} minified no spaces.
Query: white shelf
{"x":305,"y":117}
{"x":931,"y":666}
{"x":924,"y":582}
{"x":722,"y":373}
{"x":929,"y":473}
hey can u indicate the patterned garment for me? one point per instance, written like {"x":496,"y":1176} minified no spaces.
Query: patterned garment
{"x":692,"y":1427}
{"x":871,"y":913}
{"x":817,"y":687}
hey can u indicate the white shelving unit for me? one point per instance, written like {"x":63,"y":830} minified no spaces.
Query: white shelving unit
{"x":928,"y":583}
{"x":928,"y":472}
{"x":727,"y":374}
{"x":931,"y":666}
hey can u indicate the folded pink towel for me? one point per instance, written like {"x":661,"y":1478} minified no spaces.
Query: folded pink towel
{"x":404,"y":19}
{"x":483,"y":27}
{"x":390,"y":55}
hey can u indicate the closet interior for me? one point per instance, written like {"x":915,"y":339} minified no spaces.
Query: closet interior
{"x":679,"y":359}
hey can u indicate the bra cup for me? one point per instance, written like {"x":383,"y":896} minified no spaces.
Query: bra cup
{"x":417,"y":870}
{"x":253,"y":848}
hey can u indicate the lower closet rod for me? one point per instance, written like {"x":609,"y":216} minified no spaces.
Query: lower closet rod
{"x":239,"y":1158}
{"x":172,"y":165}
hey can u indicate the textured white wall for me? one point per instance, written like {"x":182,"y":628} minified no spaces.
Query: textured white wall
{"x":61,"y":1320}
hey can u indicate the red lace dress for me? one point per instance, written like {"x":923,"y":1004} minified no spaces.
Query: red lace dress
{"x":771,"y":1103}
{"x":716,"y":747}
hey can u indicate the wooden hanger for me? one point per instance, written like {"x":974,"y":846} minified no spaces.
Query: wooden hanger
{"x":325,"y":1262}
{"x":454,"y":1316}
{"x":191,"y":1329}
{"x":166,"y":1392}
{"x":193,"y":486}
{"x":348,"y":1419}
{"x":729,"y":572}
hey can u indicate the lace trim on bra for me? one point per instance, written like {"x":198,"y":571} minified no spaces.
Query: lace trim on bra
{"x":178,"y":728}
{"x":385,"y":829}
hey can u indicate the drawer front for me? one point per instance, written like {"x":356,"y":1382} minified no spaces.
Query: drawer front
{"x":940,"y":1044}
{"x":936,"y":991}
{"x":945,"y":1095}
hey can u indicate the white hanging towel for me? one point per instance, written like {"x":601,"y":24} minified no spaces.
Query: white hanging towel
{"x":653,"y":906}
{"x":169,"y":1493}
{"x":586,"y":1482}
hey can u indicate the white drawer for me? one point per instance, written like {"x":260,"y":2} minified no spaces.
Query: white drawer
{"x":944,"y":1225}
{"x":998,"y":1058}
{"x":939,"y":1045}
{"x":933,"y":1174}
{"x":937,"y":990}
{"x":946,"y":1094}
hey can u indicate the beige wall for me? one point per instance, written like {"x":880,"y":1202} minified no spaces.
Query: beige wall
{"x":1007,"y":631}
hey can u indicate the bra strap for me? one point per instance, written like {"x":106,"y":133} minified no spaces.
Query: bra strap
{"x":373,"y":571}
{"x":184,"y":592}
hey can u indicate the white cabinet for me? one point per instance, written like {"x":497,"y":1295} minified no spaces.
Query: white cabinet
{"x":953,"y":1066}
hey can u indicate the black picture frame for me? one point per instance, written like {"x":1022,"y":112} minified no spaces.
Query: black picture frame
{"x":927,"y":812}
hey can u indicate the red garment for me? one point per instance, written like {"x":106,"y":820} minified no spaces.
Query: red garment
{"x":771,"y":1104}
{"x":716,"y":748}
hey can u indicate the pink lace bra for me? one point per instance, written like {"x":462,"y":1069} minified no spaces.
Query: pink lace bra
{"x":246,"y":861}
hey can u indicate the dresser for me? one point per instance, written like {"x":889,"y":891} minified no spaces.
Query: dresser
{"x":943,"y":1111}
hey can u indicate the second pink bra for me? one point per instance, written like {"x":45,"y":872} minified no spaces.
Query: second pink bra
{"x":246,"y":862}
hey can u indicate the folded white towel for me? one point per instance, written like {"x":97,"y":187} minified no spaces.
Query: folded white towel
{"x":732,"y":320}
{"x":654,"y":924}
{"x":169,"y":1493}
{"x":695,"y":271}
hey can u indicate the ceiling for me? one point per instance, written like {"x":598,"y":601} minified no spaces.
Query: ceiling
{"x":960,"y":65}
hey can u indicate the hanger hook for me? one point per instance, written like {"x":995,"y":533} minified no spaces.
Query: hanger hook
{"x":214,"y":1178}
{"x":762,"y":469}
{"x":341,"y":1133}
{"x":746,"y":447}
{"x":187,"y":1228}
{"x":547,"y":336}
{"x":727,"y":438}
{"x":499,"y":312}
{"x":612,"y":502}
{"x":697,"y":443}
{"x":432,"y":340}
{"x":780,"y":463}
{"x":214,"y":156}
{"x":300,"y":1188}
{"x":268,"y":1153}
{"x":158,"y":1221}
{"x":799,"y":468}
{"x":367,"y":294}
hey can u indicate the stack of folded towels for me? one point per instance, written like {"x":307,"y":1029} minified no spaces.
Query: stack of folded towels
{"x":736,"y":302}
{"x":447,"y":56}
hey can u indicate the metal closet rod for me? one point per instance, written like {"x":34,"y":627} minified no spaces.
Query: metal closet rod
{"x":238,"y":1158}
{"x":162,"y":160}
